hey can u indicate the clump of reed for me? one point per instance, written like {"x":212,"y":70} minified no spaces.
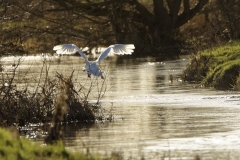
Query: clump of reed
{"x":53,"y":97}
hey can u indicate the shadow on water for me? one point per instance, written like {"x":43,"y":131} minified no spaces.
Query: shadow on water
{"x":156,"y":113}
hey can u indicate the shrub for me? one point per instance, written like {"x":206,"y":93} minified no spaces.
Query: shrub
{"x":37,"y":104}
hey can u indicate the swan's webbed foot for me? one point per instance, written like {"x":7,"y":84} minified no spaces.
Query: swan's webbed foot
{"x":102,"y":77}
{"x":89,"y":74}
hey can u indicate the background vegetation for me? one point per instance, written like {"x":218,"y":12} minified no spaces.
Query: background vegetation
{"x":217,"y":67}
{"x":217,"y":63}
{"x":156,"y":27}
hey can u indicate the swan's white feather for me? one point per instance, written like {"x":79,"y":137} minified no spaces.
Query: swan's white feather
{"x":69,"y":49}
{"x":92,"y":67}
{"x":119,"y":49}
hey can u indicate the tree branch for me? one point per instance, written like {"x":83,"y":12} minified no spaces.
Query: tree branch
{"x":169,"y":3}
{"x":144,"y":14}
{"x":186,"y":16}
{"x":186,"y":6}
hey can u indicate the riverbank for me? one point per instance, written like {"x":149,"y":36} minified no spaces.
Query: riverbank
{"x":14,"y":147}
{"x":218,"y":67}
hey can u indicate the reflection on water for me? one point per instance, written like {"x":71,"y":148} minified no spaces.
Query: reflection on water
{"x":154,"y":117}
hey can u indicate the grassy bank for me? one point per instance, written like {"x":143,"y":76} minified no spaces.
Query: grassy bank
{"x":12,"y":147}
{"x":217,"y":67}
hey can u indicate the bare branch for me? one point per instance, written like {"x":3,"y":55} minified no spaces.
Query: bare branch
{"x":186,"y":16}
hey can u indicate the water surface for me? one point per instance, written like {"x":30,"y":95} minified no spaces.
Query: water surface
{"x":154,"y":117}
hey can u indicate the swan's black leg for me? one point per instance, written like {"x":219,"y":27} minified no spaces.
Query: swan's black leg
{"x":89,"y":75}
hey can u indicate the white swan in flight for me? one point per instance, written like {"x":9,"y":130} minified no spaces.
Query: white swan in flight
{"x":91,"y":67}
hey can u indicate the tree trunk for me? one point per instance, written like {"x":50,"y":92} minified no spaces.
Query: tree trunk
{"x":162,"y":26}
{"x":117,"y":21}
{"x":169,"y":19}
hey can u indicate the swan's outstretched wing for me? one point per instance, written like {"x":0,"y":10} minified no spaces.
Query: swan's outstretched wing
{"x":69,"y":49}
{"x":119,"y":49}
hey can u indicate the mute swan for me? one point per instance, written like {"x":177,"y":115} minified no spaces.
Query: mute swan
{"x":91,"y":67}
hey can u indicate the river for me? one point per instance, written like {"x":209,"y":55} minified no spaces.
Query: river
{"x":154,"y":117}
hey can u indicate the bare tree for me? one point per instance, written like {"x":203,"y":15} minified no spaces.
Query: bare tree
{"x":100,"y":22}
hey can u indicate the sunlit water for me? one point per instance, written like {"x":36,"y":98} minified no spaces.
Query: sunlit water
{"x":154,"y":117}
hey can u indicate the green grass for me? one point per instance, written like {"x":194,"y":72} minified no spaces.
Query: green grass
{"x":13,"y":147}
{"x":218,"y":67}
